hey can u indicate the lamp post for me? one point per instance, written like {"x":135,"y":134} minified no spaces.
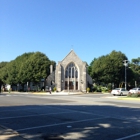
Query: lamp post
{"x":27,"y":86}
{"x":81,"y":85}
{"x":62,"y":88}
{"x":125,"y":64}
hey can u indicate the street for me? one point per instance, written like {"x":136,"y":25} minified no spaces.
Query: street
{"x":71,"y":117}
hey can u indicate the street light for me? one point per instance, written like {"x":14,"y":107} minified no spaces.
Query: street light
{"x":125,"y":64}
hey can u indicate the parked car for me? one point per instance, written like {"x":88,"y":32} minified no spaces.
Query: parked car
{"x":119,"y":91}
{"x":134,"y":90}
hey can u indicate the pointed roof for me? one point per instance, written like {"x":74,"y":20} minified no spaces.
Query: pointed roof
{"x":71,"y":53}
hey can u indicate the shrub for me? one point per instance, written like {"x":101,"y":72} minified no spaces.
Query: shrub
{"x":109,"y":91}
{"x":99,"y":89}
{"x":136,"y":95}
{"x":39,"y":89}
{"x":54,"y":89}
{"x":104,"y":89}
{"x":133,"y":94}
{"x":88,"y":89}
{"x":129,"y":94}
{"x":109,"y":86}
{"x":94,"y":88}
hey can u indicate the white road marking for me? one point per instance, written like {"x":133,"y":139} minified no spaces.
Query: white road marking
{"x":29,"y":128}
{"x":129,"y":136}
{"x":92,"y":113}
{"x":19,"y":109}
{"x":69,"y":126}
{"x":34,"y":115}
{"x":103,"y":117}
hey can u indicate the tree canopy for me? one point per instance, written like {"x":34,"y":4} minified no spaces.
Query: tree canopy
{"x":34,"y":66}
{"x":29,"y":67}
{"x":109,"y":68}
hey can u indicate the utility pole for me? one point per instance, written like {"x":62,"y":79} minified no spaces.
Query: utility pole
{"x":125,"y":64}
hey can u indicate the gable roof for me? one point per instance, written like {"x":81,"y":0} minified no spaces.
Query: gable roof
{"x":71,"y":53}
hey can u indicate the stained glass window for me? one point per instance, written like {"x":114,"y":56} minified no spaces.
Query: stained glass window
{"x":71,"y":71}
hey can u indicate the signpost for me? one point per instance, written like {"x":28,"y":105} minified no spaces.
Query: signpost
{"x":27,"y":86}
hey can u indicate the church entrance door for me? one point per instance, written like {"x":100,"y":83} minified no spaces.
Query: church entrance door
{"x":71,"y":86}
{"x":76,"y":85}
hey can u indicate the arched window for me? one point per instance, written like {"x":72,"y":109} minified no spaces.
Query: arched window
{"x":76,"y":74}
{"x":71,"y":71}
{"x":66,"y":74}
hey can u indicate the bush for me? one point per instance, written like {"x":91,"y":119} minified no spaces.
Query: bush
{"x":39,"y":89}
{"x":109,"y":91}
{"x":129,"y":94}
{"x":109,"y":86}
{"x":133,"y":94}
{"x":88,"y":89}
{"x":99,"y":89}
{"x":94,"y":89}
{"x":104,"y":89}
{"x":54,"y":89}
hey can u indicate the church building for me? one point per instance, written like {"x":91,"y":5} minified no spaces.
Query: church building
{"x":70,"y":74}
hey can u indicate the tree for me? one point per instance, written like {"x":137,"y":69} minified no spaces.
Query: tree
{"x":109,"y":68}
{"x":29,"y":67}
{"x":97,"y":69}
{"x":2,"y":65}
{"x":90,"y":66}
{"x":135,"y":67}
{"x":35,"y":68}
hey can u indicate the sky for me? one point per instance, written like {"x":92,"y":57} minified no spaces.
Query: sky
{"x":92,"y":28}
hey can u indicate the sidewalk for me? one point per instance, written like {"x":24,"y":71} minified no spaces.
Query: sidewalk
{"x":45,"y":93}
{"x":9,"y":134}
{"x":58,"y":93}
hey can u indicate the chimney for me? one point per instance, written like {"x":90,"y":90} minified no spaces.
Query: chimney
{"x":51,"y":69}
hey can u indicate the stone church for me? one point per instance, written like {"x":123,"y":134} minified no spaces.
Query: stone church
{"x":70,"y":74}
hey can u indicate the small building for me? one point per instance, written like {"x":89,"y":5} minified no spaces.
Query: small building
{"x":70,"y":74}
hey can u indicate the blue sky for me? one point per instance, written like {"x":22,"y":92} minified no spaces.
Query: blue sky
{"x":91,"y":28}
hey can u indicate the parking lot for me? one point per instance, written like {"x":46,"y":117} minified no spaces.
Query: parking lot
{"x":70,"y":117}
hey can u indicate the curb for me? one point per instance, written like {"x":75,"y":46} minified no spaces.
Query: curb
{"x":58,"y":93}
{"x":9,"y":134}
{"x":45,"y":93}
{"x":136,"y":99}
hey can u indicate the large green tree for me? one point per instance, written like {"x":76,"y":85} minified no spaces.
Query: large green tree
{"x":2,"y":65}
{"x":135,"y":67}
{"x":3,"y":72}
{"x":11,"y":70}
{"x":109,"y":68}
{"x":35,"y":68}
{"x":29,"y":67}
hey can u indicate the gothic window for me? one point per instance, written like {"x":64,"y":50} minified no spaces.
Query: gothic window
{"x":66,"y":74}
{"x":71,"y":71}
{"x":76,"y":73}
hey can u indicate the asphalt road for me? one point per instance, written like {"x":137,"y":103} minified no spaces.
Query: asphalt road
{"x":71,"y":117}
